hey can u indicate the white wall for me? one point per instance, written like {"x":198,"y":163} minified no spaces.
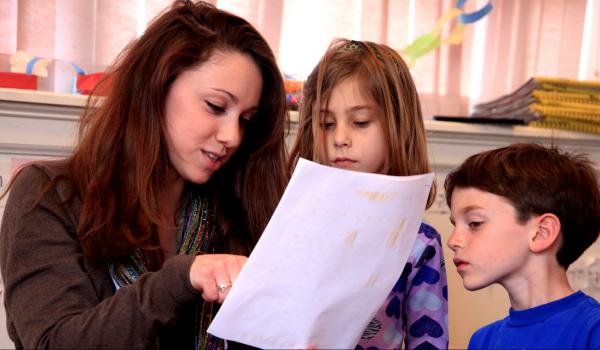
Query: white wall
{"x":36,"y":124}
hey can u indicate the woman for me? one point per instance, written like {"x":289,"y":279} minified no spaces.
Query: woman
{"x":134,"y":240}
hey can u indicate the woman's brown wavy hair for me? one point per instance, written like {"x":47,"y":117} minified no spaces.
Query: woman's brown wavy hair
{"x":386,"y":80}
{"x":121,"y":161}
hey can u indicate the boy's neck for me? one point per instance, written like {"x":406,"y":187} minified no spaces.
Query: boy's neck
{"x":543,"y":284}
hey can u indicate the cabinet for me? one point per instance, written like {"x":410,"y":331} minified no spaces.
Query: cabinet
{"x":33,"y":125}
{"x":41,"y":125}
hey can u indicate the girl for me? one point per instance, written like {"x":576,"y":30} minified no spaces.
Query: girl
{"x":132,"y":241}
{"x":360,"y":111}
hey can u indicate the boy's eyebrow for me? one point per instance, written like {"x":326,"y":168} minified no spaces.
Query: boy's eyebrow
{"x":464,"y":211}
{"x":468,"y":208}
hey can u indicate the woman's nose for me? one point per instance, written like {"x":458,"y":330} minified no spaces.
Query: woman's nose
{"x":230,"y":133}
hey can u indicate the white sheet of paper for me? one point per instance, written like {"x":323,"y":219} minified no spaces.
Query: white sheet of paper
{"x":330,"y":255}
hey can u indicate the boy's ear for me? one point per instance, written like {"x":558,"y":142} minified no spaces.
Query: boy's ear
{"x":547,"y":233}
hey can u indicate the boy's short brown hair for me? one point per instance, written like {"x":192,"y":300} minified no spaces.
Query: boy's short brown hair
{"x":537,"y":180}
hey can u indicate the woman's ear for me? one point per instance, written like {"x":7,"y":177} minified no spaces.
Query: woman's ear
{"x":547,"y":233}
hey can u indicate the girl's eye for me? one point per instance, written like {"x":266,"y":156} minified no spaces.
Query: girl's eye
{"x":475,"y":224}
{"x":215,"y":108}
{"x":327,"y":125}
{"x":362,"y":124}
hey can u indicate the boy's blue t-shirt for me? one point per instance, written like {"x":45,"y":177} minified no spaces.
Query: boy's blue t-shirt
{"x":572,"y":322}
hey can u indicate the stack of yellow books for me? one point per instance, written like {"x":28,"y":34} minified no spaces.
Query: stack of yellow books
{"x":549,"y":103}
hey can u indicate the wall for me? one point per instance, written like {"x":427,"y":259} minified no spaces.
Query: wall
{"x":37,"y":124}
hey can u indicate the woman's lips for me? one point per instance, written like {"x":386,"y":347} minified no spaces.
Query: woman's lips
{"x":213,"y":160}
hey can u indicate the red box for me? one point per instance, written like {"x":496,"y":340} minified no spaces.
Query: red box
{"x":87,"y":82}
{"x":18,"y":80}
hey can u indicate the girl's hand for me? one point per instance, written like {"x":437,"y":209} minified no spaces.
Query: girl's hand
{"x":214,"y":274}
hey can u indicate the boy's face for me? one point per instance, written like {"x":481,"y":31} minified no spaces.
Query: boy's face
{"x":490,"y":245}
{"x":353,"y":131}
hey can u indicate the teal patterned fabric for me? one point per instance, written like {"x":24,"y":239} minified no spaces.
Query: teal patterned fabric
{"x":196,"y":235}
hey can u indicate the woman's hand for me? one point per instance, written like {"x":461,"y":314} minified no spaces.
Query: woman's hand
{"x":214,"y":274}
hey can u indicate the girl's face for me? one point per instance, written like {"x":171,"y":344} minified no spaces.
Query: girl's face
{"x":207,"y":108}
{"x":353,"y":130}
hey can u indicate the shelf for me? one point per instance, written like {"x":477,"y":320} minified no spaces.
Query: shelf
{"x":45,"y":123}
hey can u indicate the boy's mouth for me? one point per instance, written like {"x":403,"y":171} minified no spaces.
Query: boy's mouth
{"x":459,"y":263}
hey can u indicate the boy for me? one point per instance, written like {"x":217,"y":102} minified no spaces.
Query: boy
{"x":522,"y":215}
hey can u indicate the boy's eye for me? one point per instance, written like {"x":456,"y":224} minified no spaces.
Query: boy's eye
{"x":475,"y":224}
{"x":215,"y":108}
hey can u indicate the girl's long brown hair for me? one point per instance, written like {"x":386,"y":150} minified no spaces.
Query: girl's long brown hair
{"x":121,"y":161}
{"x":384,"y":78}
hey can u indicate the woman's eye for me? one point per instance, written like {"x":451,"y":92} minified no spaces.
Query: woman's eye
{"x":215,"y":108}
{"x":244,"y":121}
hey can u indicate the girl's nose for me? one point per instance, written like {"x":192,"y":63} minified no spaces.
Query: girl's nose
{"x":341,"y":137}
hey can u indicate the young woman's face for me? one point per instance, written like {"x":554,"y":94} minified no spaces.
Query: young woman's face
{"x":490,"y":245}
{"x":207,"y":108}
{"x":353,"y":130}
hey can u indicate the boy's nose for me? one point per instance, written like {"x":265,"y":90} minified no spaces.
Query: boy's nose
{"x":453,"y":242}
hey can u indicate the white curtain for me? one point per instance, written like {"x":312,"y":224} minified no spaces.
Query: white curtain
{"x":517,"y":40}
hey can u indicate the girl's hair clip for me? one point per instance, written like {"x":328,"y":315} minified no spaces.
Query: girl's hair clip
{"x":377,"y":54}
{"x":355,"y":46}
